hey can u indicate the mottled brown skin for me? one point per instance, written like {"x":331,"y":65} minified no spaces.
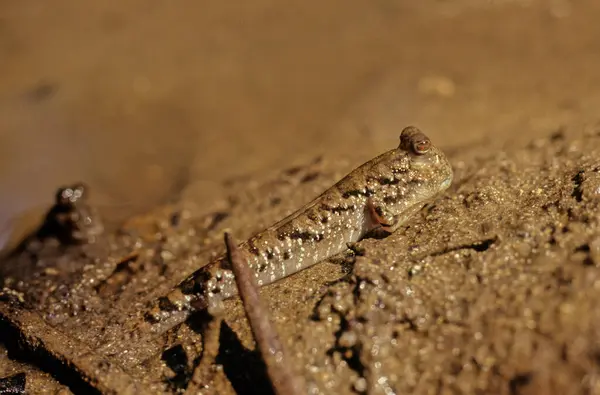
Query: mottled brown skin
{"x":382,"y":194}
{"x":284,"y":381}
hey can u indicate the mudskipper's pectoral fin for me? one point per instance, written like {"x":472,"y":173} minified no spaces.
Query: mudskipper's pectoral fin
{"x":378,"y":223}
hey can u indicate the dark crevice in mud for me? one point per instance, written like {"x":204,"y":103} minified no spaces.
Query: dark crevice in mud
{"x":124,"y":270}
{"x":42,"y":91}
{"x":517,"y":383}
{"x":357,"y":249}
{"x":576,"y":215}
{"x":310,"y":177}
{"x":175,"y":219}
{"x":377,"y":234}
{"x":276,"y":200}
{"x":479,"y":246}
{"x":595,"y":356}
{"x":346,"y":261}
{"x":244,"y":369}
{"x":345,"y":278}
{"x":564,"y":348}
{"x":177,"y":360}
{"x":356,"y":291}
{"x":347,"y":267}
{"x":578,"y":180}
{"x":216,"y":219}
{"x":350,"y":354}
{"x":292,"y":171}
{"x":410,"y":324}
{"x":43,"y":359}
{"x":14,"y":298}
{"x":315,"y":315}
{"x":14,"y":384}
{"x":300,"y":174}
{"x":585,"y":249}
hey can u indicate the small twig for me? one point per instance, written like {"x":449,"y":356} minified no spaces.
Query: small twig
{"x":279,"y":370}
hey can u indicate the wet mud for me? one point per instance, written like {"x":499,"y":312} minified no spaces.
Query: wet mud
{"x":120,"y":173}
{"x":492,"y":288}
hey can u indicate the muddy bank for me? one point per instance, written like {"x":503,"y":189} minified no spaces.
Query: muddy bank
{"x":491,"y":289}
{"x":225,"y":117}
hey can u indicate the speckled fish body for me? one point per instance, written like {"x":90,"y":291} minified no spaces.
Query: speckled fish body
{"x":395,"y":185}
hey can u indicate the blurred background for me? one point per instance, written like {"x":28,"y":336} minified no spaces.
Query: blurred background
{"x":149,"y":100}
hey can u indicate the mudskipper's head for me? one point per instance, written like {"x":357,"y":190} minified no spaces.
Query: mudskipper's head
{"x":428,"y":164}
{"x":406,"y":178}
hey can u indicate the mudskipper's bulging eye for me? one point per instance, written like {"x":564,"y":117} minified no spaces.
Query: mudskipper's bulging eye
{"x":421,"y":146}
{"x":412,"y":139}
